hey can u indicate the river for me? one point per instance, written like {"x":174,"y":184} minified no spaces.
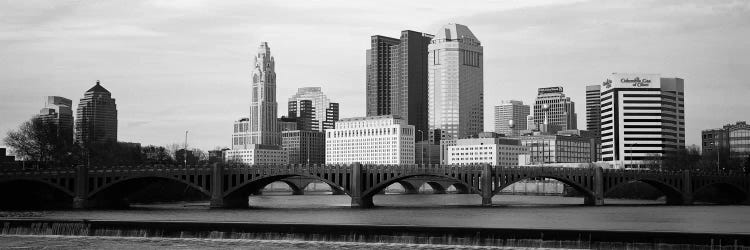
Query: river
{"x":445,"y":210}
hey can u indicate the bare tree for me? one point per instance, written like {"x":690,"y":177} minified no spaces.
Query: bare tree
{"x":37,"y":140}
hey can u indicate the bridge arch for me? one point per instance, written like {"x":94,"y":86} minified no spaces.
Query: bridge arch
{"x":385,"y":183}
{"x":113,"y":193}
{"x":237,"y":196}
{"x":437,"y":188}
{"x":460,"y":188}
{"x":673,"y":194}
{"x":588,"y":194}
{"x":62,"y":188}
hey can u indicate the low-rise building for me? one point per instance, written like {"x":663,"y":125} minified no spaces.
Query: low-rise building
{"x":568,"y":146}
{"x":488,"y":148}
{"x":304,"y":146}
{"x":732,"y":140}
{"x":257,"y":154}
{"x":384,"y":139}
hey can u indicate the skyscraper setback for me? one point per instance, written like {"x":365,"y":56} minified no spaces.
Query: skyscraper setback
{"x":96,"y":120}
{"x":317,"y":111}
{"x":455,"y":83}
{"x":553,"y":111}
{"x":397,"y":77}
{"x":263,"y":107}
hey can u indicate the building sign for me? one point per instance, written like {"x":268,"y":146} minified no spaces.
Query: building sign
{"x":607,"y":83}
{"x":636,"y":82}
{"x":550,"y":90}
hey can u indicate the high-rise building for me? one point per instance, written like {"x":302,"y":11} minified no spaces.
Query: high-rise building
{"x":58,"y":111}
{"x":304,"y":146}
{"x":553,"y":111}
{"x":642,"y":116}
{"x":593,"y":110}
{"x":455,"y":83}
{"x":96,"y":120}
{"x":510,"y":117}
{"x":397,"y":77}
{"x":318,"y":112}
{"x":370,"y":140}
{"x":263,"y":106}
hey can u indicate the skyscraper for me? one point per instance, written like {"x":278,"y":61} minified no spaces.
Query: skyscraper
{"x":320,"y":110}
{"x":642,"y":116}
{"x":593,"y":108}
{"x":510,"y":117}
{"x":263,"y":107}
{"x":455,"y":83}
{"x":397,"y":77}
{"x":58,"y":112}
{"x":553,"y":111}
{"x":96,"y":120}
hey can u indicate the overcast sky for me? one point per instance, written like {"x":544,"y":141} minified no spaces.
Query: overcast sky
{"x":185,"y":65}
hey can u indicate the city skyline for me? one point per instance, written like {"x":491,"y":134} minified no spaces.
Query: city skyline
{"x":155,"y":96}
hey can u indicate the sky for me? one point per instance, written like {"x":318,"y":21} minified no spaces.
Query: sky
{"x":184,"y":65}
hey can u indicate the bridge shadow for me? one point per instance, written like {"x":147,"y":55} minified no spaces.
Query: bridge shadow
{"x":31,"y":194}
{"x":720,"y":193}
{"x":145,"y":190}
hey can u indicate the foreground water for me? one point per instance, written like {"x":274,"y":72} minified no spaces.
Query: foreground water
{"x":448,"y":210}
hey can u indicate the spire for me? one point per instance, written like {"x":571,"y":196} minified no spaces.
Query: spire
{"x":97,"y":88}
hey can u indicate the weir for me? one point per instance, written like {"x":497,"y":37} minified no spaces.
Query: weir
{"x":463,"y":236}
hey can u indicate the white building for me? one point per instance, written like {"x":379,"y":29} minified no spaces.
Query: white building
{"x":263,"y":107}
{"x":642,"y":116}
{"x":370,"y":140}
{"x":455,"y":89}
{"x":494,"y":150}
{"x":257,"y":154}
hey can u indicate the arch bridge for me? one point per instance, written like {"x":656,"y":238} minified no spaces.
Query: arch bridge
{"x":230,"y":185}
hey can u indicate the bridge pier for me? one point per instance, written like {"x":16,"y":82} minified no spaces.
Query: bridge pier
{"x":80,"y":203}
{"x":597,"y":196}
{"x":687,"y":189}
{"x":487,"y":184}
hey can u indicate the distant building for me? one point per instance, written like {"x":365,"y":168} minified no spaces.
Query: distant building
{"x":487,"y":148}
{"x":553,"y":111}
{"x":397,"y":77}
{"x":370,"y":140}
{"x":257,"y":154}
{"x":58,"y":112}
{"x":642,"y":117}
{"x":216,"y":156}
{"x":426,"y":153}
{"x":240,"y":135}
{"x":4,"y":157}
{"x":315,"y":109}
{"x":455,"y":83}
{"x":287,"y":124}
{"x":733,"y":140}
{"x":96,"y":120}
{"x":262,"y":127}
{"x":510,"y":117}
{"x":593,"y":108}
{"x":304,"y":146}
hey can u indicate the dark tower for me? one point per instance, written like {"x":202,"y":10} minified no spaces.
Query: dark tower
{"x":96,"y":117}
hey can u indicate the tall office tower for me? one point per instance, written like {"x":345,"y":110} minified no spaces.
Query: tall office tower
{"x":96,"y":117}
{"x":643,"y":115}
{"x":304,"y":114}
{"x":58,"y":112}
{"x":510,"y":117}
{"x":456,"y":85}
{"x":593,"y":108}
{"x":263,"y":108}
{"x":553,"y":111}
{"x":325,"y":113}
{"x":397,"y":77}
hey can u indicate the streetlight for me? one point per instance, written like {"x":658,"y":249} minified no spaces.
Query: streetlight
{"x":421,"y":135}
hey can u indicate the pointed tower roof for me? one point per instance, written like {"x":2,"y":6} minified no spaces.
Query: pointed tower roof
{"x":453,"y":31}
{"x":97,"y":89}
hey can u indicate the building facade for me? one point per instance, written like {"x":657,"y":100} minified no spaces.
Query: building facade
{"x":397,"y":77}
{"x":263,"y":107}
{"x":593,"y":110}
{"x":455,"y":83}
{"x":732,"y":140}
{"x":553,"y":111}
{"x":642,"y":116}
{"x":304,"y":147}
{"x":58,"y":112}
{"x":559,"y":148}
{"x":370,"y":140}
{"x":257,"y":154}
{"x":96,"y":118}
{"x":488,"y":149}
{"x":314,"y":107}
{"x":510,"y":117}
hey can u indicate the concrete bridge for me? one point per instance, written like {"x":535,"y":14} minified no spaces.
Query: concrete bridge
{"x":229,"y":186}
